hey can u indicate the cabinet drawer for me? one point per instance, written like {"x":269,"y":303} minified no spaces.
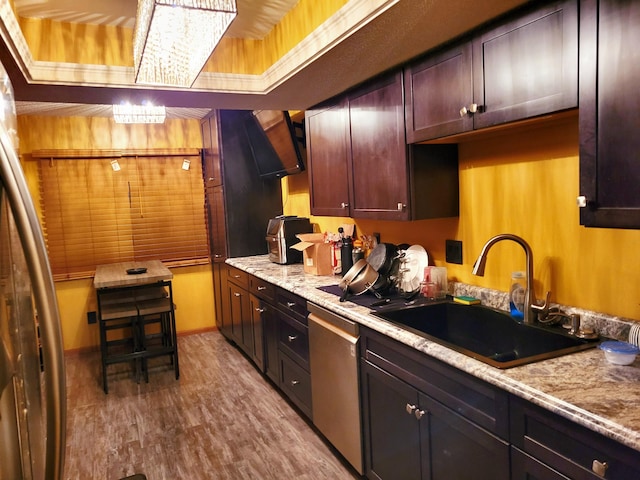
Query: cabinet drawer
{"x":292,"y":304}
{"x":238,"y":277}
{"x":296,"y":383}
{"x":293,"y":339}
{"x":261,"y":288}
{"x":568,"y":448}
{"x":483,"y":404}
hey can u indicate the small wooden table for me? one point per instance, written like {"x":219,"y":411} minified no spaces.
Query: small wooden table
{"x":115,"y":274}
{"x":128,"y":303}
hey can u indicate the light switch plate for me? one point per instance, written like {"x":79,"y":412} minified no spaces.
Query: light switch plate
{"x":453,"y":251}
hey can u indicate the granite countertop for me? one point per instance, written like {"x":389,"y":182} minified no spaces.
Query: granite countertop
{"x":582,"y":387}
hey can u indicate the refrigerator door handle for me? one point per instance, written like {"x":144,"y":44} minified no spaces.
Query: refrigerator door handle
{"x":34,"y":247}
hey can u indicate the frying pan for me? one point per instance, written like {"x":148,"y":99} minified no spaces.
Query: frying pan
{"x":382,"y":258}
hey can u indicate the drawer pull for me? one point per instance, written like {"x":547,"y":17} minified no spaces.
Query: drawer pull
{"x":236,"y":276}
{"x":410,"y":408}
{"x":260,"y":288}
{"x":291,"y":304}
{"x":600,"y":468}
{"x":291,"y":338}
{"x":260,"y":310}
{"x":419,"y":414}
{"x":294,"y":382}
{"x":236,"y":294}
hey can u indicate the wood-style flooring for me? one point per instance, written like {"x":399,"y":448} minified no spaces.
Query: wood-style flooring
{"x":220,"y":420}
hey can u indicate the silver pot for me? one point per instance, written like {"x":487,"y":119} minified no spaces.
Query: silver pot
{"x":360,"y":278}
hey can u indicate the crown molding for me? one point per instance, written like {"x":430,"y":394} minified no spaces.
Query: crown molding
{"x":349,"y":19}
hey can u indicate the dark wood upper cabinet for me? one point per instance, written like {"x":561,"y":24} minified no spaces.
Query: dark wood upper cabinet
{"x":524,"y":66}
{"x":436,"y":89}
{"x":609,"y":113}
{"x":379,"y":152}
{"x":211,"y":170}
{"x":328,"y":147}
{"x":360,"y":165}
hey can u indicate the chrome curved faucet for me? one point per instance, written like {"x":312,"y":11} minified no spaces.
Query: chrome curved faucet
{"x":531,"y":307}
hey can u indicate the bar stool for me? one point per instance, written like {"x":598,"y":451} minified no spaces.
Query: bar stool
{"x":117,"y":314}
{"x":155,"y":307}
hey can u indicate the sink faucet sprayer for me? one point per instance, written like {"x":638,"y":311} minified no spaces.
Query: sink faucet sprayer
{"x":531,"y":306}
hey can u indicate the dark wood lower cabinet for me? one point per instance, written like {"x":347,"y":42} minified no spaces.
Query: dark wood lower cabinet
{"x":422,"y":419}
{"x":567,"y":448}
{"x":392,"y":435}
{"x":408,"y":435}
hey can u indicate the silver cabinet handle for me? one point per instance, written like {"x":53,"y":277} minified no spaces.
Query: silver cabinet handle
{"x":401,"y":206}
{"x":344,"y":205}
{"x":600,"y":468}
{"x":236,"y":294}
{"x":294,"y":382}
{"x":410,"y":408}
{"x":260,"y":310}
{"x":236,"y":276}
{"x":261,"y":288}
{"x":217,"y":255}
{"x":470,"y":109}
{"x":291,"y":304}
{"x":419,"y":414}
{"x":291,"y":338}
{"x":581,"y":201}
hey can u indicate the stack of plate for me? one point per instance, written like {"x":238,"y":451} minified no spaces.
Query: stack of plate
{"x":411,"y":272}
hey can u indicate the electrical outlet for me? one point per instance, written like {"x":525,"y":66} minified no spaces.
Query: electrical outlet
{"x":453,"y":251}
{"x":92,"y":317}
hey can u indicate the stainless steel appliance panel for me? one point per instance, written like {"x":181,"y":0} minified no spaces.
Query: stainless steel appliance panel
{"x":333,"y":357}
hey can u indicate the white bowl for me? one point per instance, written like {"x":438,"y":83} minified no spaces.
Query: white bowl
{"x":619,"y":353}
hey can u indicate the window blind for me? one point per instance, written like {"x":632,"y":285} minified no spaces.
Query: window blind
{"x":150,"y":209}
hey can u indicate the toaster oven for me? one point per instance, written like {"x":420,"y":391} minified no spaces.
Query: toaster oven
{"x":281,"y":235}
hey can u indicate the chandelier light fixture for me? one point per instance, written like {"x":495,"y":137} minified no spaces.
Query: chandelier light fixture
{"x":127,"y":113}
{"x":173,"y":39}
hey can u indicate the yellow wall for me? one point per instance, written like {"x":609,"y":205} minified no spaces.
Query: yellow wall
{"x":522,"y":181}
{"x":192,"y":286}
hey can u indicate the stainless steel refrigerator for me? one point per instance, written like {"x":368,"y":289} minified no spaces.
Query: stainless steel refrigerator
{"x":32,"y":378}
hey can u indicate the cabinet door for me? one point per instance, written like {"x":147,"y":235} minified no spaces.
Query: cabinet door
{"x":218,"y":294}
{"x":391,"y":430}
{"x":259,"y":310}
{"x":457,"y":448}
{"x":379,"y":159}
{"x":211,"y":153}
{"x":528,"y":66}
{"x":436,"y":89}
{"x":217,"y":226}
{"x":328,"y":159}
{"x":609,"y":113}
{"x":270,"y":332}
{"x":240,"y":317}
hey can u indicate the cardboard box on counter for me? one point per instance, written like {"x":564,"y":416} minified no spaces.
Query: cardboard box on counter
{"x":316,"y":254}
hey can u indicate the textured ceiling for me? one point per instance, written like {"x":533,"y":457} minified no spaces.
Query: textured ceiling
{"x":364,"y":38}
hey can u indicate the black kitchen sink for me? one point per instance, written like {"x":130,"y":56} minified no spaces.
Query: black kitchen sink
{"x":489,"y":335}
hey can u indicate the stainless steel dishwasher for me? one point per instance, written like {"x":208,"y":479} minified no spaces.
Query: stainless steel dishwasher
{"x":335,"y":387}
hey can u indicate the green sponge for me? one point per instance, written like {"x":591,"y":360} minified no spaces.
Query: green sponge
{"x":465,"y":300}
